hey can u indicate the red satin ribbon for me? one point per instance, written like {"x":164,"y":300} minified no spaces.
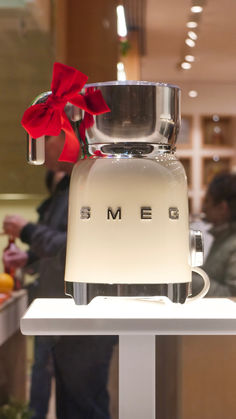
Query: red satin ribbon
{"x":87,"y":121}
{"x":49,"y":118}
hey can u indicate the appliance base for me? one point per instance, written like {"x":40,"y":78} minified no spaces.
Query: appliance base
{"x":83,"y":292}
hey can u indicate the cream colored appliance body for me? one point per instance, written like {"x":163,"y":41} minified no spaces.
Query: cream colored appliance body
{"x":128,"y":222}
{"x":128,"y":230}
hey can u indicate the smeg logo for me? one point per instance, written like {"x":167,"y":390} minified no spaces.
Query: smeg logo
{"x":116,"y":214}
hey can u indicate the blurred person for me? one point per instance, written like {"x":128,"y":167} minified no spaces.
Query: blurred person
{"x":42,"y":369}
{"x":81,"y":362}
{"x":219,"y":207}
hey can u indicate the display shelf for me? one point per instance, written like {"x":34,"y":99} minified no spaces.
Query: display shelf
{"x":209,"y":151}
{"x":136,"y":321}
{"x":213,"y":166}
{"x":11,"y":312}
{"x":13,"y":348}
{"x":217,"y":131}
{"x":117,"y":316}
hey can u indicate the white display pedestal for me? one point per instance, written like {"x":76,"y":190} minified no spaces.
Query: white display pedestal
{"x":136,"y":321}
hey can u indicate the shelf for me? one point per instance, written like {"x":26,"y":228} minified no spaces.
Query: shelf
{"x":122,"y":316}
{"x":10,"y":313}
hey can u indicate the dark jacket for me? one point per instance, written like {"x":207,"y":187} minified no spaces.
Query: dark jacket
{"x":47,"y":241}
{"x":220,"y":264}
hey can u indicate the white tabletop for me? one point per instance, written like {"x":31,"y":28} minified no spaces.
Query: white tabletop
{"x":127,"y":316}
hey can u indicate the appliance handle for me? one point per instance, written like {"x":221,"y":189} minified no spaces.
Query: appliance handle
{"x":36,"y":146}
{"x":205,"y":288}
{"x":35,"y":150}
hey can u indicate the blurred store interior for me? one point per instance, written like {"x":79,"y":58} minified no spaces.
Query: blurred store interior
{"x":166,"y":42}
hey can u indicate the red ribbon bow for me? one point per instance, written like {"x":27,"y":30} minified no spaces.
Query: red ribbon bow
{"x":49,"y":118}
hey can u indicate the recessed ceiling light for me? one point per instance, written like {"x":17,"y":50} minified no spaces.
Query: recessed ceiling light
{"x":192,"y":35}
{"x":216,"y":118}
{"x":191,"y":24}
{"x":121,"y":75}
{"x":193,"y":93}
{"x":121,"y":23}
{"x":120,"y":66}
{"x":196,"y":9}
{"x":186,"y":66}
{"x":190,"y":42}
{"x":189,"y":58}
{"x":217,"y":130}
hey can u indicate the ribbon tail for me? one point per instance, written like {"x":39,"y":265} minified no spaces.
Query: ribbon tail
{"x":82,"y":131}
{"x":71,"y":149}
{"x":96,"y":103}
{"x":92,"y":102}
{"x":88,"y":120}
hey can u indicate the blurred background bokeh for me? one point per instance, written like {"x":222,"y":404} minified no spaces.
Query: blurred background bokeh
{"x":166,"y":41}
{"x":158,"y":46}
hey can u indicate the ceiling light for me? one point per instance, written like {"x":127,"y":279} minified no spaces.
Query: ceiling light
{"x":121,"y":23}
{"x":192,"y":35}
{"x":217,"y":130}
{"x":121,"y":75}
{"x":120,"y":66}
{"x":191,"y":24}
{"x":190,"y":42}
{"x":189,"y":58}
{"x":193,"y":93}
{"x":196,"y":9}
{"x":186,"y":66}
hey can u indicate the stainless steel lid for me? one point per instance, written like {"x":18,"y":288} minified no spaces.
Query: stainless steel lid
{"x":140,"y":112}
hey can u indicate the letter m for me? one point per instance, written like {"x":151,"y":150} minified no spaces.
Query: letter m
{"x":114,"y":215}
